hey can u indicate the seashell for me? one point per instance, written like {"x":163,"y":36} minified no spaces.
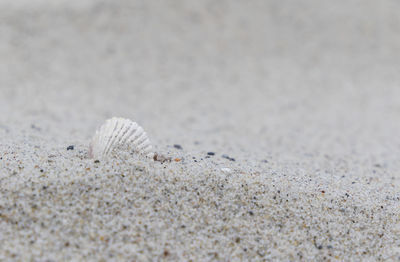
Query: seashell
{"x":118,"y":133}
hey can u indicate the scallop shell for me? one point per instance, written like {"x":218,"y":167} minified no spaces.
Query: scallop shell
{"x":117,"y":133}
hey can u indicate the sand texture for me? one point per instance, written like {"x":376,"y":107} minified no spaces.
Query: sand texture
{"x":281,"y":119}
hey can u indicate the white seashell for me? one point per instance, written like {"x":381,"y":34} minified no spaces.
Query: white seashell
{"x":116,"y":133}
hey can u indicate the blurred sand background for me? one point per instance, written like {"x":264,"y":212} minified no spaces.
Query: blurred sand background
{"x":305,"y":95}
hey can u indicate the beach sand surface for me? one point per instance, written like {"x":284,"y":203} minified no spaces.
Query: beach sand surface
{"x":298,"y":101}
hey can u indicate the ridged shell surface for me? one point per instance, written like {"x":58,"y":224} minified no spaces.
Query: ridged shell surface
{"x":119,"y":133}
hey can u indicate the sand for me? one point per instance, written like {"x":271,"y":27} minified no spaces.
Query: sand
{"x":299,"y":102}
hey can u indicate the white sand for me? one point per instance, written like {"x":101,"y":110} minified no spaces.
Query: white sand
{"x":305,"y":96}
